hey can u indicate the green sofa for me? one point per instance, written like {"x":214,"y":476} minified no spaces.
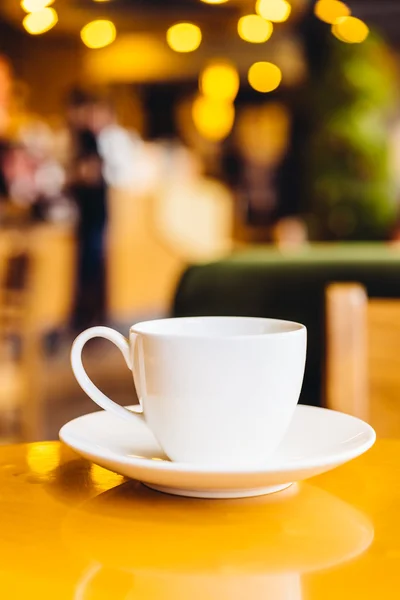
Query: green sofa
{"x":266,"y":282}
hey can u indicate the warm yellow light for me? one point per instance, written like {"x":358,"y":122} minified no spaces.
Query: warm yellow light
{"x":184,"y":37}
{"x":277,"y":11}
{"x":103,"y":478}
{"x":43,"y":458}
{"x":337,"y":34}
{"x":213,"y":118}
{"x":41,"y":21}
{"x":350,"y":30}
{"x":264,"y":76}
{"x":254,"y":29}
{"x":220,"y":81}
{"x":331,"y":10}
{"x":98,"y":34}
{"x":35,"y":5}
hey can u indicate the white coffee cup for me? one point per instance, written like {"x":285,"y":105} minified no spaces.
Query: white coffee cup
{"x":215,"y":391}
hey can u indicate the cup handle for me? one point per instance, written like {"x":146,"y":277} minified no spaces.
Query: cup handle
{"x":85,"y":382}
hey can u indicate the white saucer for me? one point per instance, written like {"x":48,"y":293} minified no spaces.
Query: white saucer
{"x":317,"y":440}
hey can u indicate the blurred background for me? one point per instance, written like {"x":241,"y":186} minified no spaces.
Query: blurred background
{"x":140,"y":138}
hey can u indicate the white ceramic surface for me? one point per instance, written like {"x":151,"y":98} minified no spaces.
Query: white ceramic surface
{"x":317,"y":440}
{"x":192,"y":375}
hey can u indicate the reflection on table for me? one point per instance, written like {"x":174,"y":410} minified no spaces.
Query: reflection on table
{"x":78,"y":531}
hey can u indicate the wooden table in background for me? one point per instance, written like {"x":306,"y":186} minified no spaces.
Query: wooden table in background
{"x":72,"y":530}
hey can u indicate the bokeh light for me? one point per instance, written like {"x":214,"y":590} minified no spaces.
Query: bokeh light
{"x":35,"y":5}
{"x":331,"y":10}
{"x":264,"y":76}
{"x":98,"y":34}
{"x":213,"y":119}
{"x":337,"y":35}
{"x":220,"y":81}
{"x":350,"y":30}
{"x":214,"y":1}
{"x":254,"y":29}
{"x":277,"y":11}
{"x":40,"y":21}
{"x":184,"y":37}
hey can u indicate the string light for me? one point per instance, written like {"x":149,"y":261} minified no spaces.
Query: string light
{"x":254,"y":29}
{"x":40,"y":21}
{"x":350,"y":30}
{"x":264,"y":76}
{"x":331,"y":10}
{"x":277,"y":11}
{"x":30,"y":6}
{"x":213,"y":119}
{"x":220,"y":81}
{"x":98,"y":34}
{"x":184,"y":37}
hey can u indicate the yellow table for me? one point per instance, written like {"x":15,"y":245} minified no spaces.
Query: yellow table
{"x":72,"y":530}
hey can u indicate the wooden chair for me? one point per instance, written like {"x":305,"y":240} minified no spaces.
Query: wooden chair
{"x":35,"y":298}
{"x":363,"y":356}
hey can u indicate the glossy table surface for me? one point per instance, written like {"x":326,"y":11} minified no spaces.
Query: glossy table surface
{"x":72,"y":530}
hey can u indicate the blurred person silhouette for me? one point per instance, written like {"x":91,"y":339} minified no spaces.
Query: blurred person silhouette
{"x":18,"y":183}
{"x":118,"y":147}
{"x":252,"y":161}
{"x":102,"y":156}
{"x":77,"y":117}
{"x":51,"y":203}
{"x":4,"y":146}
{"x":30,"y":186}
{"x":88,"y":189}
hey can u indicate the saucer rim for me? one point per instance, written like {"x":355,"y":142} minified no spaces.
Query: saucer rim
{"x":335,"y":459}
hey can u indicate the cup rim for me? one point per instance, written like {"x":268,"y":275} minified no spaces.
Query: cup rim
{"x":144,"y":328}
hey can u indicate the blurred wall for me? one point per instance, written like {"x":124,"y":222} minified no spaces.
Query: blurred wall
{"x":48,"y":72}
{"x":178,"y":217}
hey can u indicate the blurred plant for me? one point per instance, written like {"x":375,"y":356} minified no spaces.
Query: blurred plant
{"x":352,"y":192}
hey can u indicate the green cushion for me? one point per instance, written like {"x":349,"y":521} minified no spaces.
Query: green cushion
{"x":264,"y":282}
